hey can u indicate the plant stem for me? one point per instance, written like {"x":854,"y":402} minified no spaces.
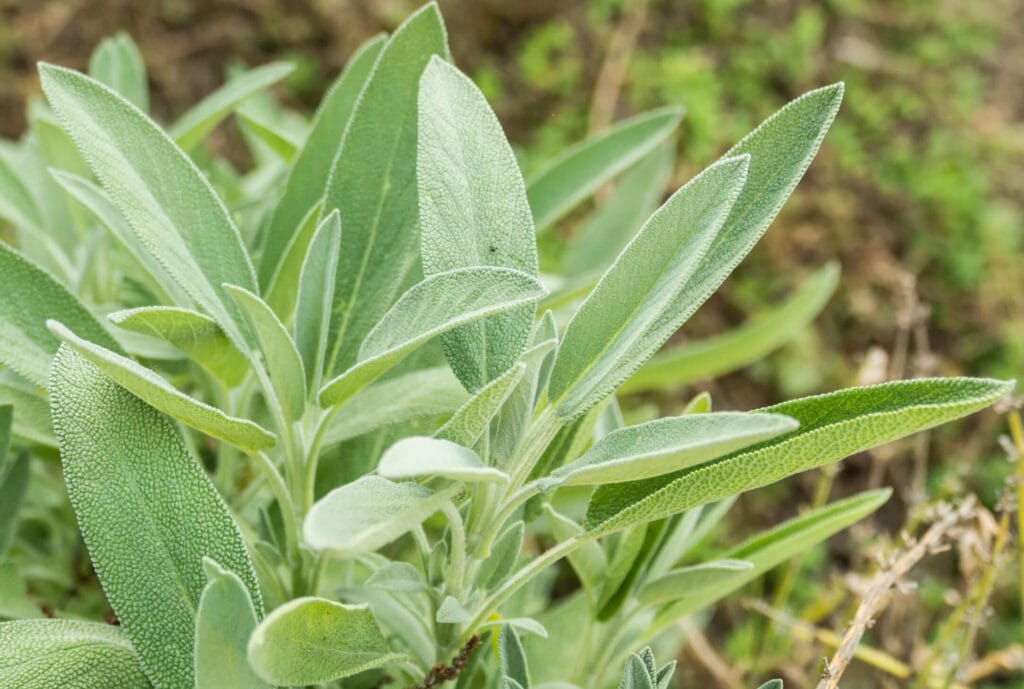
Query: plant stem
{"x":1017,"y":434}
{"x":457,"y":559}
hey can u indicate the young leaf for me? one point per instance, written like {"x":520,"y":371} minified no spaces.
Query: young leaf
{"x":31,"y":412}
{"x":509,"y":426}
{"x":13,"y":485}
{"x":709,"y":358}
{"x":191,"y":332}
{"x":504,"y":556}
{"x":580,"y":171}
{"x":280,"y":357}
{"x":283,"y":292}
{"x":636,"y":306}
{"x":373,"y":184}
{"x":772,"y":684}
{"x":147,"y":512}
{"x":832,"y":427}
{"x":192,"y":127}
{"x":694,"y":582}
{"x":306,"y":179}
{"x":473,"y":212}
{"x":316,"y":293}
{"x":224,"y":621}
{"x":512,"y":657}
{"x":669,"y":444}
{"x":589,"y":560}
{"x":284,"y":143}
{"x":161,"y":193}
{"x":472,"y":419}
{"x":637,"y":674}
{"x":434,"y":306}
{"x":117,"y":63}
{"x":451,"y":611}
{"x":315,"y":641}
{"x":31,"y":296}
{"x":43,"y":654}
{"x":418,"y":456}
{"x":369,"y":513}
{"x":155,"y":391}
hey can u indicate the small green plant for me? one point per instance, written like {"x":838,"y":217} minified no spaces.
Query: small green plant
{"x":312,"y":423}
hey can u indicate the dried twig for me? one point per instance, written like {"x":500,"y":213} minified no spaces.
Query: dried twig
{"x":441,"y":673}
{"x":616,"y":63}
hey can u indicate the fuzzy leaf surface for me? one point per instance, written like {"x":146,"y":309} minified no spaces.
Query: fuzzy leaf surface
{"x":417,"y":456}
{"x":118,"y":63}
{"x":315,"y":297}
{"x":474,"y":417}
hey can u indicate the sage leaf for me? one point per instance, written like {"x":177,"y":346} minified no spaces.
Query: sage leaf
{"x":512,"y":657}
{"x":473,"y":212}
{"x":225,"y":620}
{"x":193,"y":126}
{"x":118,"y":63}
{"x":522,"y":624}
{"x":369,"y":513}
{"x":17,"y":205}
{"x":31,"y":412}
{"x":832,"y":427}
{"x":435,"y":305}
{"x":13,"y":486}
{"x":283,"y":142}
{"x":281,"y":359}
{"x":693,"y":581}
{"x":500,"y":564}
{"x":589,"y":560}
{"x":417,"y":456}
{"x":157,"y":392}
{"x":315,"y":641}
{"x":637,"y":305}
{"x":31,"y":296}
{"x":669,"y":444}
{"x":508,"y":428}
{"x":284,"y":289}
{"x":161,"y":193}
{"x":43,"y":654}
{"x":315,"y":297}
{"x":373,"y":184}
{"x":306,"y":179}
{"x":193,"y":333}
{"x":474,"y":417}
{"x":580,"y":171}
{"x":6,"y":423}
{"x":451,"y":611}
{"x":128,"y":471}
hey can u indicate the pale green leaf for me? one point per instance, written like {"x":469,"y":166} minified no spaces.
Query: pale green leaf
{"x":504,"y":556}
{"x":693,"y":582}
{"x":281,"y":359}
{"x":473,"y":212}
{"x":30,"y":296}
{"x":17,"y":206}
{"x":315,"y":297}
{"x":192,"y":333}
{"x":637,"y":674}
{"x":31,"y":410}
{"x":589,"y":560}
{"x":451,"y":611}
{"x":193,"y":126}
{"x":147,"y":512}
{"x":156,"y":391}
{"x":669,"y":444}
{"x":712,"y":357}
{"x":636,"y":306}
{"x":522,"y":624}
{"x":433,"y":306}
{"x":373,"y":184}
{"x":417,"y":457}
{"x":284,"y":290}
{"x":45,"y":654}
{"x":224,"y":621}
{"x":369,"y":513}
{"x":278,"y":139}
{"x":315,"y":641}
{"x":508,"y":428}
{"x":832,"y":427}
{"x":160,"y":192}
{"x":118,"y":63}
{"x":577,"y":173}
{"x":473,"y":418}
{"x":512,"y":657}
{"x":14,"y":475}
{"x":6,"y":423}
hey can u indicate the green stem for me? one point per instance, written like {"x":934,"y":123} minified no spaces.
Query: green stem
{"x":457,"y":559}
{"x":514,"y":502}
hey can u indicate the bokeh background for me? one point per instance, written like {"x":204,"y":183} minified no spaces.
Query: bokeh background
{"x":917,"y":193}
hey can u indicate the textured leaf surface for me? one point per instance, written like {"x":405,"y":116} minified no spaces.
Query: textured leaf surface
{"x":191,"y":332}
{"x":832,"y":427}
{"x":117,"y":63}
{"x":473,"y":418}
{"x":31,"y":412}
{"x":368,"y":513}
{"x":30,"y":296}
{"x":578,"y":172}
{"x":512,"y":657}
{"x":314,"y":641}
{"x":44,"y":654}
{"x":147,"y":512}
{"x":473,"y":212}
{"x":707,"y":359}
{"x":417,"y":456}
{"x":373,"y":184}
{"x":433,"y":306}
{"x":697,"y":582}
{"x":307,"y":178}
{"x":193,"y":126}
{"x":14,"y":475}
{"x":224,"y":621}
{"x":316,"y":292}
{"x":670,"y":444}
{"x":637,"y":306}
{"x":161,"y":193}
{"x":508,"y":428}
{"x":157,"y":392}
{"x":500,"y":564}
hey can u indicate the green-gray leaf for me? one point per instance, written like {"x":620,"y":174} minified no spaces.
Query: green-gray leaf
{"x":156,"y":391}
{"x":694,"y":582}
{"x":224,"y":621}
{"x":577,"y":173}
{"x":832,"y":427}
{"x":147,"y":512}
{"x":431,"y":307}
{"x":117,"y":63}
{"x":315,"y":641}
{"x":512,"y":657}
{"x":43,"y":654}
{"x":316,"y":294}
{"x":473,"y":212}
{"x":13,"y":485}
{"x":416,"y":457}
{"x":474,"y":417}
{"x":637,"y":305}
{"x":373,"y":184}
{"x":30,"y":296}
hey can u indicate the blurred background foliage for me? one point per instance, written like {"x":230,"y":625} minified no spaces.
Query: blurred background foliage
{"x":916,"y":192}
